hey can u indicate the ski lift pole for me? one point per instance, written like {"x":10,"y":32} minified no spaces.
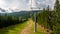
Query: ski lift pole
{"x":34,"y":17}
{"x":35,"y":22}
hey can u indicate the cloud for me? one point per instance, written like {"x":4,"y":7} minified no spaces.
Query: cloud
{"x":2,"y":3}
{"x":23,"y":4}
{"x":13,"y":4}
{"x":45,"y":3}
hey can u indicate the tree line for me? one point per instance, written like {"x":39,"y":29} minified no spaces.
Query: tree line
{"x":50,"y":19}
{"x":11,"y":20}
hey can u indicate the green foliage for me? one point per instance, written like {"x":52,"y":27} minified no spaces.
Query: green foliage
{"x":14,"y":29}
{"x":10,"y":20}
{"x":56,"y":29}
{"x":50,"y":19}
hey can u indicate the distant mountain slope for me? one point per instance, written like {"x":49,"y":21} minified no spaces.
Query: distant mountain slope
{"x":20,"y":13}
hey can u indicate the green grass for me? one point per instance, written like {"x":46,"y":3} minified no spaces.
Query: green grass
{"x":37,"y":32}
{"x":14,"y":29}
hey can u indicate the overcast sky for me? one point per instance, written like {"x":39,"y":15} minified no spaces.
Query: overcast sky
{"x":24,"y":4}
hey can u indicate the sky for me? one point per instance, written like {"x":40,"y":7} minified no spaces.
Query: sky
{"x":24,"y":4}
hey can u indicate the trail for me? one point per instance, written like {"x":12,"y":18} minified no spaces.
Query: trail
{"x":28,"y":29}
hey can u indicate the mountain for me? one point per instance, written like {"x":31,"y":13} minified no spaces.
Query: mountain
{"x":20,"y":13}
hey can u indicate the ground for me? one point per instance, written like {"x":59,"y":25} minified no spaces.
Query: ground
{"x":27,"y":29}
{"x":30,"y":29}
{"x":24,"y":28}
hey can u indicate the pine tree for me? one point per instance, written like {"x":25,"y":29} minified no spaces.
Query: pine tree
{"x":57,"y":10}
{"x":56,"y":7}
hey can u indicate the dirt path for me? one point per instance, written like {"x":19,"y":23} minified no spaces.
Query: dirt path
{"x":27,"y":29}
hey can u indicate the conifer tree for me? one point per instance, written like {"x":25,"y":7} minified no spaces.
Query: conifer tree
{"x":57,"y":24}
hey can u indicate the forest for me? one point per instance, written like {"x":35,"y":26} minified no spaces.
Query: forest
{"x":50,"y":19}
{"x":6,"y":20}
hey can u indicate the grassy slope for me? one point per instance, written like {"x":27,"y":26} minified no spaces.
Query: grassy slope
{"x":37,"y":32}
{"x":14,"y":29}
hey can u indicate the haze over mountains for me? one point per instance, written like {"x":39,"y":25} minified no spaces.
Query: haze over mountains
{"x":24,"y":13}
{"x":11,"y":10}
{"x":7,"y":11}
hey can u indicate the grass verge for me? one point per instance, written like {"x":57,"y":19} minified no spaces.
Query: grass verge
{"x":37,"y":30}
{"x":14,"y":29}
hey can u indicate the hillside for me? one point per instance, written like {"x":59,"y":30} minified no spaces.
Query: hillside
{"x":25,"y":14}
